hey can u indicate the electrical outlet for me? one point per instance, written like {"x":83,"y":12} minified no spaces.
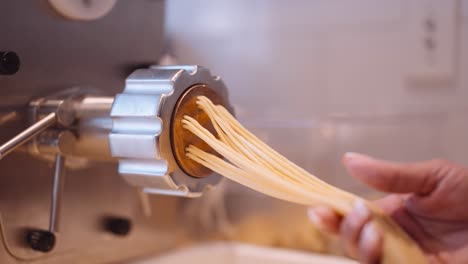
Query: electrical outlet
{"x":432,"y":41}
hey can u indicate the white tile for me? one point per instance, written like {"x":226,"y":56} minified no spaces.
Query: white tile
{"x":464,"y":8}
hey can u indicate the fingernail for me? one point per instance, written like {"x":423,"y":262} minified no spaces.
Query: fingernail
{"x":348,"y":156}
{"x":314,"y":218}
{"x":361,"y":208}
{"x":371,"y":240}
{"x":370,"y":233}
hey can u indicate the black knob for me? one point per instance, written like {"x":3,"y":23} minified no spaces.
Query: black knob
{"x":40,"y":240}
{"x":9,"y":62}
{"x":118,"y":225}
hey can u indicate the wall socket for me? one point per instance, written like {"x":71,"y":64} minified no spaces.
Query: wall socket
{"x":432,"y":42}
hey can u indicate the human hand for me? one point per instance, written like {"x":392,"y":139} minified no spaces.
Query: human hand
{"x":429,"y":201}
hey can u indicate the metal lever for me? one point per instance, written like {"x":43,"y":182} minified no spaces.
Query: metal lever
{"x":44,"y":240}
{"x":27,"y":134}
{"x":41,"y":240}
{"x":56,"y":197}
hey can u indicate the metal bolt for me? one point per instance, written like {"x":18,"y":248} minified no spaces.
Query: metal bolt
{"x":118,"y":225}
{"x":9,"y":62}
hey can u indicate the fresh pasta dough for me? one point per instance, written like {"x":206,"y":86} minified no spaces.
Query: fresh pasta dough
{"x":251,"y":162}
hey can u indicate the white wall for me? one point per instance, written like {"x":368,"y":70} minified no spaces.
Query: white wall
{"x":318,"y":78}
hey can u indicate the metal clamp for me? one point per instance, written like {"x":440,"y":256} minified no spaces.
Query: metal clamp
{"x":143,"y":133}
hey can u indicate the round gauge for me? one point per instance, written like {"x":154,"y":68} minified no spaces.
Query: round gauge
{"x":83,"y":9}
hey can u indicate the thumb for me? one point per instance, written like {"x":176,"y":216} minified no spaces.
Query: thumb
{"x":420,"y":177}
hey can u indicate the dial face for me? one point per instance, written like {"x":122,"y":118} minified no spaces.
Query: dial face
{"x":181,"y":138}
{"x":83,"y":9}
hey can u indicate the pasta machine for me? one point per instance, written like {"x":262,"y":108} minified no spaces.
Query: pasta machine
{"x":140,"y":128}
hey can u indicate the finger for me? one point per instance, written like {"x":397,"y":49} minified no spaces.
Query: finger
{"x":421,"y":177}
{"x":390,"y":203}
{"x":325,"y":218}
{"x":352,"y":225}
{"x":370,"y":244}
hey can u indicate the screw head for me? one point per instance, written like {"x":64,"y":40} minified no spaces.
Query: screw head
{"x":118,"y":225}
{"x":9,"y":62}
{"x":40,"y":240}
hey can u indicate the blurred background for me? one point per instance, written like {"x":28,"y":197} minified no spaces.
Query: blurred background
{"x":318,"y":78}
